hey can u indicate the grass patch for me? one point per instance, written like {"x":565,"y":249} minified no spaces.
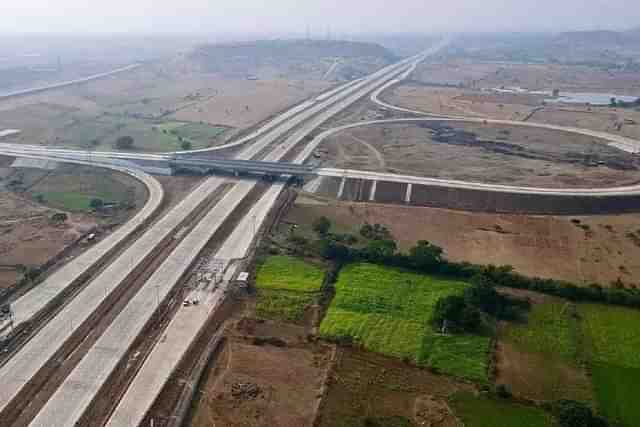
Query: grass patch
{"x":387,"y":310}
{"x":488,"y":412}
{"x":549,"y":330}
{"x":286,"y":287}
{"x":616,"y":388}
{"x":68,"y":201}
{"x":73,"y":191}
{"x":288,"y":273}
{"x":613,"y":337}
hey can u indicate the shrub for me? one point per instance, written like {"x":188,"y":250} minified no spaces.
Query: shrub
{"x":322,"y":226}
{"x":575,"y":414}
{"x":96,"y":204}
{"x":425,"y":256}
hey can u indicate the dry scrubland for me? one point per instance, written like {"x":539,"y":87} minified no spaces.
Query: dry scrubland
{"x":483,"y":153}
{"x":597,"y":249}
{"x":148,"y":103}
{"x":467,"y":80}
{"x":203,"y":97}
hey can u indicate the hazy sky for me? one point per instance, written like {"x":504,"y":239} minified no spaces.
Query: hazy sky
{"x":342,"y":16}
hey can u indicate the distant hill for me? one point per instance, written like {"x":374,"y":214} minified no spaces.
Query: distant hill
{"x":291,"y":58}
{"x":600,"y":37}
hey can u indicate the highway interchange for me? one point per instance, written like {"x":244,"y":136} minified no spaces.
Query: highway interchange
{"x":71,"y":398}
{"x":205,"y":214}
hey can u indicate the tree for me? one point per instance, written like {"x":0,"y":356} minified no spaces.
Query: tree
{"x":124,"y":143}
{"x":186,"y":145}
{"x":322,"y":225}
{"x":425,"y":256}
{"x":613,"y":102}
{"x":334,"y":251}
{"x":96,"y":204}
{"x":459,"y":315}
{"x":380,"y":250}
{"x":375,"y":232}
{"x":59,"y":217}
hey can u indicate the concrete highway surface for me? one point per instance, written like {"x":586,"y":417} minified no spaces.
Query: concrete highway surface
{"x":31,"y":303}
{"x":73,"y":396}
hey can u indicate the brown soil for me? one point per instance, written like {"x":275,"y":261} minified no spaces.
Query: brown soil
{"x":597,"y":249}
{"x":255,"y":383}
{"x":483,"y":153}
{"x":263,"y":98}
{"x":27,"y":236}
{"x":534,"y":376}
{"x":368,"y":385}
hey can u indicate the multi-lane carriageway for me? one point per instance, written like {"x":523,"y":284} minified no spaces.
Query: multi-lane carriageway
{"x":23,"y":375}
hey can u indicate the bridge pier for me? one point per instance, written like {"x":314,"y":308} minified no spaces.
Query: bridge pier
{"x":341,"y":188}
{"x":372,"y":193}
{"x":407,"y":195}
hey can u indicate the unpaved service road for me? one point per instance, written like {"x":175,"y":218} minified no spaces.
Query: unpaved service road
{"x":489,"y":153}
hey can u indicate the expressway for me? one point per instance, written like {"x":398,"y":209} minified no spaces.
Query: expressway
{"x":32,"y":302}
{"x":72,"y":398}
{"x":626,"y":144}
{"x":76,"y":392}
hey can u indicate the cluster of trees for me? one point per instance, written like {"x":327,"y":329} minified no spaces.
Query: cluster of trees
{"x":428,"y":258}
{"x":466,"y":312}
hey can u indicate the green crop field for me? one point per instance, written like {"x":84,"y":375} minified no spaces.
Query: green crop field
{"x":613,"y":335}
{"x":388,"y":310}
{"x":286,"y":286}
{"x":549,"y":329}
{"x":487,"y":412}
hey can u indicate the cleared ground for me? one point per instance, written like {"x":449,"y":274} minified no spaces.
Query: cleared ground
{"x":369,"y":389}
{"x":256,"y":383}
{"x":483,"y":153}
{"x":590,"y":249}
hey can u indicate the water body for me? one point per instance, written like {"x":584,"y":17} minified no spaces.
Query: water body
{"x":572,"y":97}
{"x":590,"y":98}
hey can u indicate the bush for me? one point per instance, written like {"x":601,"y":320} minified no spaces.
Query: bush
{"x":185,"y":145}
{"x":425,"y":256}
{"x":321,"y":226}
{"x":502,"y":391}
{"x":96,"y":204}
{"x":375,"y":232}
{"x":576,"y":414}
